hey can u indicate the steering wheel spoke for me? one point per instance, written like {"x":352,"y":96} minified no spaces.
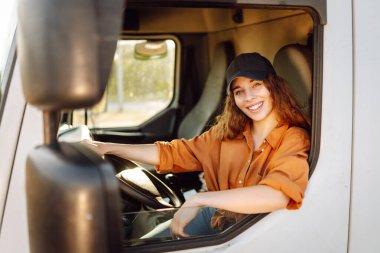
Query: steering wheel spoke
{"x":140,"y":184}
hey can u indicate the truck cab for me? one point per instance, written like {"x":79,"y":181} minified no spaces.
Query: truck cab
{"x":137,"y":72}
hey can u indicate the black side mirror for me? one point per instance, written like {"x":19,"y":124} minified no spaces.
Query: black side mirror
{"x":66,"y":50}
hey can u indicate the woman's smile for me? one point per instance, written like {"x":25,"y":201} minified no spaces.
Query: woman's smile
{"x":256,"y":107}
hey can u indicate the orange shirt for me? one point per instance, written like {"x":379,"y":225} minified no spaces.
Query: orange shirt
{"x":280,"y":162}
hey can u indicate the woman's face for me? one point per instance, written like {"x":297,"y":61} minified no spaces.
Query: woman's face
{"x":253,"y":98}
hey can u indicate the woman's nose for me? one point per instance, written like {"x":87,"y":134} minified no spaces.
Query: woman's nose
{"x":250,"y":95}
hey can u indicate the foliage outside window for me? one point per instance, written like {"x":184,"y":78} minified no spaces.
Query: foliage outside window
{"x":141,"y":85}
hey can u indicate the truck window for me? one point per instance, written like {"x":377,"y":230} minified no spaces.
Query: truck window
{"x":141,"y":85}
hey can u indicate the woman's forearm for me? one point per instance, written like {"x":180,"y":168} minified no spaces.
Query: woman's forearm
{"x":247,"y":200}
{"x":143,"y":153}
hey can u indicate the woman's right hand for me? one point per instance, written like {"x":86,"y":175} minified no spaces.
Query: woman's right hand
{"x":96,"y":146}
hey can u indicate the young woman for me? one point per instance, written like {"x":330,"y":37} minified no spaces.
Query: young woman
{"x":254,"y":159}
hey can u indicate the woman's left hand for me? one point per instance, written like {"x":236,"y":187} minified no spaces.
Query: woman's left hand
{"x":181,"y":219}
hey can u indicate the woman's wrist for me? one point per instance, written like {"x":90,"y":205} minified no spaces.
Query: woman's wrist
{"x":104,"y":148}
{"x":197,"y":200}
{"x":100,"y":147}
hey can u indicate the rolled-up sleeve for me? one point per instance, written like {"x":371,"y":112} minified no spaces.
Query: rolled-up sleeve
{"x":187,"y":155}
{"x":288,"y":171}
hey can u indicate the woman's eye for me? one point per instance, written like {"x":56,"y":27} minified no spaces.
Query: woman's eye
{"x":256,"y":84}
{"x":237,"y":93}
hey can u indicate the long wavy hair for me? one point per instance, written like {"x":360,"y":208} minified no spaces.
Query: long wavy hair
{"x":232,"y":120}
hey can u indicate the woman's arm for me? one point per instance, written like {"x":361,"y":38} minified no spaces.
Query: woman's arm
{"x":143,"y":153}
{"x":247,"y":200}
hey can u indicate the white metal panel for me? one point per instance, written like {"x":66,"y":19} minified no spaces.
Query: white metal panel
{"x":9,"y":132}
{"x":14,"y":231}
{"x":321,"y":225}
{"x":365,"y":207}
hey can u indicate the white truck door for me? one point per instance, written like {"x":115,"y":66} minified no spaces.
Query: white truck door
{"x":365,"y":191}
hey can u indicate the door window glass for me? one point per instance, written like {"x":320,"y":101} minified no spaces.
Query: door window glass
{"x":154,"y":225}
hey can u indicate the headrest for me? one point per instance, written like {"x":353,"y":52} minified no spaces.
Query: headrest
{"x":196,"y":121}
{"x":294,"y":63}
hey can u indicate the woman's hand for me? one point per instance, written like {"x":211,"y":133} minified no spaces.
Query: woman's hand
{"x":181,"y":219}
{"x":188,"y":211}
{"x":96,"y":146}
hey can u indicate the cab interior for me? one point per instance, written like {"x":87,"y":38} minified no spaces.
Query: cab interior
{"x":206,"y":39}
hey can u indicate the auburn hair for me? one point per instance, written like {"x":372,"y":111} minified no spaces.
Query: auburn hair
{"x":231,"y":122}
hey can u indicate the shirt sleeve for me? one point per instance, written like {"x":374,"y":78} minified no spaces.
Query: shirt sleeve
{"x":288,"y":171}
{"x":183,"y":155}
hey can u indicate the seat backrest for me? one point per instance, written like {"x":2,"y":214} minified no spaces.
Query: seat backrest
{"x":197,"y":120}
{"x":294,"y":63}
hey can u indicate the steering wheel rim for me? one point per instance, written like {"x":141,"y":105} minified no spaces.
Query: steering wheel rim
{"x":149,"y":190}
{"x":140,"y":184}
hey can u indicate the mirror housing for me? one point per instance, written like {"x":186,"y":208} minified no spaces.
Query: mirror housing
{"x":73,"y":201}
{"x":66,"y":50}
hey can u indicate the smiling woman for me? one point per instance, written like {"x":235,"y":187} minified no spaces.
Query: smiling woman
{"x":276,"y":148}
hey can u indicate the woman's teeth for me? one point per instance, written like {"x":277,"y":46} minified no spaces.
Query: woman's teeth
{"x":256,"y":106}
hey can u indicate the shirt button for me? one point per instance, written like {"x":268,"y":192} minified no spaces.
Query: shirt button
{"x":264,"y":141}
{"x":262,"y":150}
{"x":249,"y":161}
{"x":240,"y":182}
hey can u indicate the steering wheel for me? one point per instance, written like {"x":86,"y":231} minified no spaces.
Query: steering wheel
{"x":135,"y":181}
{"x":140,"y":184}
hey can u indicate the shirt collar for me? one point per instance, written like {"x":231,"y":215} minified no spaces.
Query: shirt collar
{"x":273,"y":138}
{"x":276,"y":134}
{"x":248,"y":135}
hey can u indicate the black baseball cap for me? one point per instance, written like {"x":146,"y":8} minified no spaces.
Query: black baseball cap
{"x":250,"y":65}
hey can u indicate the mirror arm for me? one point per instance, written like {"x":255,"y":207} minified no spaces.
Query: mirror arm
{"x":85,"y":116}
{"x":51,"y":125}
